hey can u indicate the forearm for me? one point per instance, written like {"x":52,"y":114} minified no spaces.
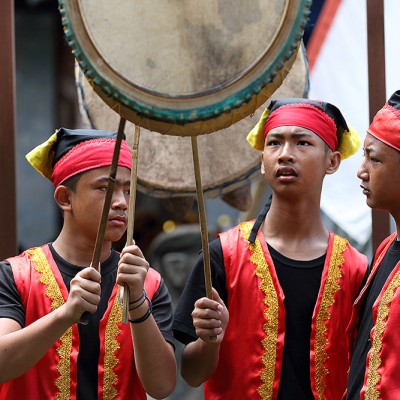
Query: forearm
{"x":199,"y":361}
{"x":21,"y":349}
{"x":154,"y":359}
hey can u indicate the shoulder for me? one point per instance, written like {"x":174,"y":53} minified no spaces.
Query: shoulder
{"x":351,"y":255}
{"x":25,"y":257}
{"x":152,"y":282}
{"x":5,"y":269}
{"x":385,"y":243}
{"x":242,"y":230}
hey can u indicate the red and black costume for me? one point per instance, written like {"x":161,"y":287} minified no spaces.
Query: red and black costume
{"x":374,"y":372}
{"x":254,"y":353}
{"x":41,"y":287}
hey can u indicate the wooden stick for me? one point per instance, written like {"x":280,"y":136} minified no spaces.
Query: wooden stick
{"x":377,"y":95}
{"x":106,"y":208}
{"x":131,"y":215}
{"x":202,"y":216}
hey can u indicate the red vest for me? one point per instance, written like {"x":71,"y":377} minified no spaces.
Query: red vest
{"x":250,"y":357}
{"x":54,"y":376}
{"x":382,"y":375}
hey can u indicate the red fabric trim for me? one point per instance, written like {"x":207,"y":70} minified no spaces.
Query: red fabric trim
{"x":386,"y":126}
{"x":88,"y":155}
{"x":306,"y":116}
{"x":321,"y":29}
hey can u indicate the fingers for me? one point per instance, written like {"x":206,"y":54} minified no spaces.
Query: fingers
{"x":84,"y":294}
{"x":132,"y":270}
{"x":216,"y":297}
{"x":208,"y":319}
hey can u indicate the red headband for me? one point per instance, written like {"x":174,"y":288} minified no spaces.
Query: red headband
{"x":88,"y":155}
{"x":306,"y":116}
{"x":386,"y":126}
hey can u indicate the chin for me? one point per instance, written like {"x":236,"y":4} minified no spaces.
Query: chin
{"x":370,"y":203}
{"x":113,"y":236}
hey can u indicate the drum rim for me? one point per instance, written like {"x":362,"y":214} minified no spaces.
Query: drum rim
{"x":250,"y":172}
{"x":190,"y":115}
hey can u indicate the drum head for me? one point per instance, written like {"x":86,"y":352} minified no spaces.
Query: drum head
{"x":184,"y":67}
{"x":165,"y":165}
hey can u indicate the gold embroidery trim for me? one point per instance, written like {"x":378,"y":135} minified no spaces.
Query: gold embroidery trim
{"x":324,"y":313}
{"x":267,"y":374}
{"x":53,"y":292}
{"x":111,"y":346}
{"x":373,"y":376}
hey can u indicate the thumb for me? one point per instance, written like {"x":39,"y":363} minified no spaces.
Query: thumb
{"x":216,"y":297}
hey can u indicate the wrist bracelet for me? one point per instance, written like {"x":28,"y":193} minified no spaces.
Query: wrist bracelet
{"x":145,"y":316}
{"x":141,"y":319}
{"x":134,"y":308}
{"x":142,"y":297}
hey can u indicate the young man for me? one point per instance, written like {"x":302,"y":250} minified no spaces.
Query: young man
{"x":44,"y":352}
{"x":284,"y":285}
{"x":374,"y":371}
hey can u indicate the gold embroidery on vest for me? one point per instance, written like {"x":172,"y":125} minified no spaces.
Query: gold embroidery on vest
{"x":324,"y":312}
{"x":267,"y":375}
{"x":373,"y":376}
{"x":53,"y":292}
{"x":111,"y":346}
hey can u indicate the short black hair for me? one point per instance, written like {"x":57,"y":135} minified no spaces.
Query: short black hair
{"x":72,"y":182}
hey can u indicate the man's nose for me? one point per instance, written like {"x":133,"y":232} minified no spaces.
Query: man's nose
{"x":362,"y":172}
{"x":119,"y":199}
{"x":286,"y":153}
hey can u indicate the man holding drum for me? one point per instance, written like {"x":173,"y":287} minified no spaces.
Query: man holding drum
{"x":283,"y":285}
{"x":44,"y":352}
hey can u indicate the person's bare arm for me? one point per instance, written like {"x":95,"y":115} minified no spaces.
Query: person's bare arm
{"x":200,"y":358}
{"x":22,"y":348}
{"x":154,"y":356}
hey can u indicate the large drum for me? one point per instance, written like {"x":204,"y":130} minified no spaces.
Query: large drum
{"x":185,"y":67}
{"x":165,"y":167}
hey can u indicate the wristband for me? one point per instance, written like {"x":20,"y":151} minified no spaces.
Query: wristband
{"x":146,"y":315}
{"x":141,"y":319}
{"x":142,"y":297}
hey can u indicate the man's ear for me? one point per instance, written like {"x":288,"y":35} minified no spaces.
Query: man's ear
{"x":62,"y":196}
{"x":334,"y":162}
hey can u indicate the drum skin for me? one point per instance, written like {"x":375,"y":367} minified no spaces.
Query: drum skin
{"x":165,"y":166}
{"x":184,"y":67}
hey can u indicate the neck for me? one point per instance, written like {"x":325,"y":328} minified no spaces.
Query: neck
{"x":296,"y":230}
{"x":79,"y":251}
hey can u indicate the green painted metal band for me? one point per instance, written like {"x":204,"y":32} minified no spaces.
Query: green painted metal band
{"x":182,"y":117}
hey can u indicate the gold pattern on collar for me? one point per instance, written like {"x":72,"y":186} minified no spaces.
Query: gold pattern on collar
{"x":324,"y":312}
{"x":267,"y":375}
{"x":373,"y":376}
{"x":53,"y":292}
{"x":111,"y":346}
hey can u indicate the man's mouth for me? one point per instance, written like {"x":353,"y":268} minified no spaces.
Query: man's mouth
{"x":286,"y":171}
